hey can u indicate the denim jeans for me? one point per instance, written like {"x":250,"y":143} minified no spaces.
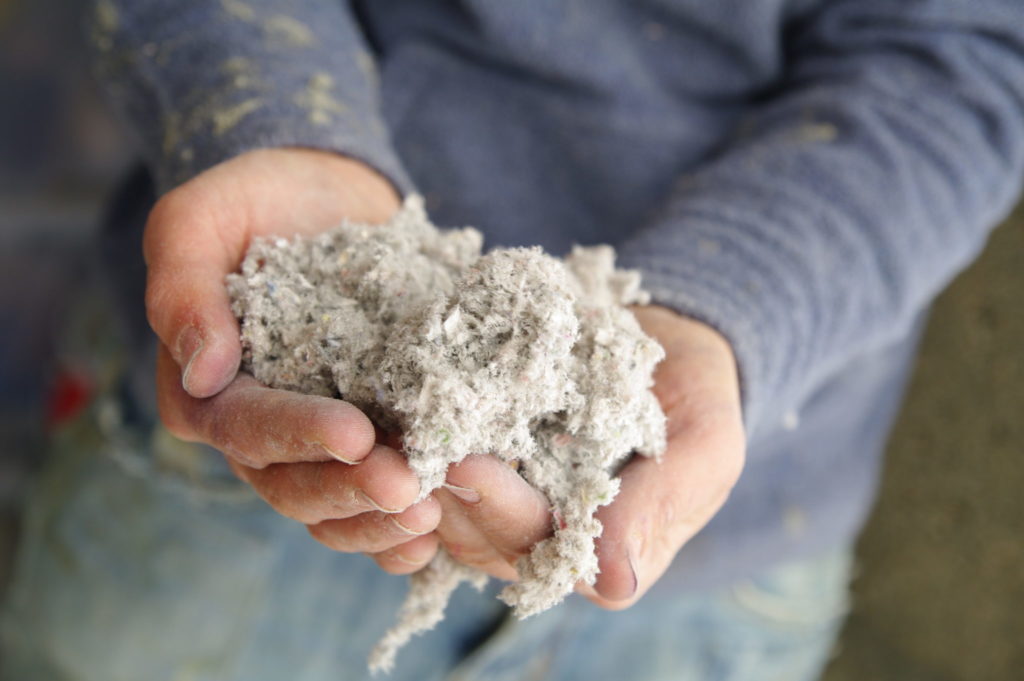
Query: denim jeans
{"x":161,"y":568}
{"x":144,"y":559}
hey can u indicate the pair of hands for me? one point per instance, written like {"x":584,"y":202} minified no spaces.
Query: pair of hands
{"x":321,"y":462}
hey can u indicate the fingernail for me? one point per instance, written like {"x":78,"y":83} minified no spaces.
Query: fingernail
{"x":190,"y":345}
{"x":404,"y":528}
{"x":366,"y":498}
{"x":333,"y":454}
{"x":634,"y":585}
{"x":470,"y":496}
{"x":632,"y":570}
{"x":402,"y":559}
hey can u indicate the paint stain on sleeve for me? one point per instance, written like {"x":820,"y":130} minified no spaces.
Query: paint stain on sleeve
{"x":106,"y":20}
{"x":239,"y":10}
{"x":318,"y":100}
{"x":367,"y":66}
{"x":107,"y":17}
{"x":285,"y":29}
{"x":227,"y":118}
{"x":241,"y":73}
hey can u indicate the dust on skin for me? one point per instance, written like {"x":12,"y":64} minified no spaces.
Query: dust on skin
{"x":318,"y":101}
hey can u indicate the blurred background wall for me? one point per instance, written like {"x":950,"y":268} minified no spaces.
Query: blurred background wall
{"x":941,"y":591}
{"x":940,"y":596}
{"x":59,"y":154}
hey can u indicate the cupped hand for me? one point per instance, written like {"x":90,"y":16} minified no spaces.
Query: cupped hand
{"x":492,"y":516}
{"x":662,"y":504}
{"x":313,"y":459}
{"x":199,"y":232}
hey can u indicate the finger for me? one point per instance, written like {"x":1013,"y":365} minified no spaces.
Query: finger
{"x":187,"y":302}
{"x":491,"y":515}
{"x":661,"y":505}
{"x":410,"y":556}
{"x":374,"y":532}
{"x":504,"y":510}
{"x":314,"y":492}
{"x":466,"y":543}
{"x":258,"y":426}
{"x":509,"y":512}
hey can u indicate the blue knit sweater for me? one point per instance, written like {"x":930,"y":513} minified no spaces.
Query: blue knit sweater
{"x":804,"y":175}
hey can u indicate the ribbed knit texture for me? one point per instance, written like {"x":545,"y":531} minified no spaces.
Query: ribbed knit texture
{"x":805,"y":176}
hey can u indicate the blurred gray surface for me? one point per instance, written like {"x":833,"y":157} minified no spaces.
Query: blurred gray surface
{"x":941,"y":593}
{"x":60,"y":154}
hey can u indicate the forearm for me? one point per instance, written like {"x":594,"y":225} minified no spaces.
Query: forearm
{"x":201,"y":81}
{"x":853,"y":194}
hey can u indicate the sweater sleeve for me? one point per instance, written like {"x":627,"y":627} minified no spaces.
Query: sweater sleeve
{"x":201,"y":81}
{"x":852,"y":194}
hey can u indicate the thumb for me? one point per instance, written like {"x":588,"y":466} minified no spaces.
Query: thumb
{"x":663,"y":504}
{"x":187,"y":302}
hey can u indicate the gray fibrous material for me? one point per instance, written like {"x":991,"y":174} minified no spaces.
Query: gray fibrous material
{"x":514,"y":353}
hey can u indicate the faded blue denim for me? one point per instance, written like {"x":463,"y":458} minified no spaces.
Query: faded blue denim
{"x":163,"y":568}
{"x":144,"y":559}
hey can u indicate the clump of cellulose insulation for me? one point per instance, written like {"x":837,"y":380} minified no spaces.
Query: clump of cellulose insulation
{"x":513,"y":353}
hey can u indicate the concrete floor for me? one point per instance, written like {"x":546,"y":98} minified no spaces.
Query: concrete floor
{"x":941,"y":591}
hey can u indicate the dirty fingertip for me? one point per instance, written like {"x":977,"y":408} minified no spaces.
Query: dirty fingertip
{"x":208,"y":365}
